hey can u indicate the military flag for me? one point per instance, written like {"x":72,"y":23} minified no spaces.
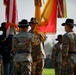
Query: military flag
{"x":38,"y":4}
{"x":49,"y":16}
{"x":53,"y":9}
{"x":11,"y":15}
{"x":62,"y":10}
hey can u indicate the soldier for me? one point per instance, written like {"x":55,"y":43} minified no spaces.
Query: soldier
{"x":37,"y":51}
{"x":57,"y":55}
{"x":2,"y":42}
{"x":68,"y":48}
{"x":6,"y":45}
{"x":21,"y":46}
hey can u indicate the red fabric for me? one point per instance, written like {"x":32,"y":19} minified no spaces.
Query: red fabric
{"x":51,"y":27}
{"x":10,"y":13}
{"x":60,"y":9}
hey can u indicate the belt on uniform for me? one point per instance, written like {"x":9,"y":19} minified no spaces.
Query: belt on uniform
{"x":72,"y":52}
{"x":20,"y":51}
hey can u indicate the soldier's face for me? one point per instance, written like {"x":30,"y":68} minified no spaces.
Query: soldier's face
{"x":60,"y":40}
{"x":33,"y":26}
{"x":66,"y":28}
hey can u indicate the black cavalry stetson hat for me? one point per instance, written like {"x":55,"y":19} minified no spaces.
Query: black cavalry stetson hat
{"x":59,"y":37}
{"x":69,"y":22}
{"x":3,"y":25}
{"x":23,"y":23}
{"x":33,"y":21}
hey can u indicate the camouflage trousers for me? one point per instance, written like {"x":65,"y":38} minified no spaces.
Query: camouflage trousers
{"x":70,"y":67}
{"x":37,"y":67}
{"x":58,"y":66}
{"x":22,"y":68}
{"x":67,"y":70}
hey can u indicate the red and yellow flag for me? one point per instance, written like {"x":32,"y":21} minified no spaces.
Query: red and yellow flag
{"x":49,"y":15}
{"x":53,"y":9}
{"x":11,"y":13}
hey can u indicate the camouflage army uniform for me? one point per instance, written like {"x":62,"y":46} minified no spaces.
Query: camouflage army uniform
{"x":22,"y":48}
{"x":68,"y":53}
{"x":57,"y":58}
{"x":38,"y":57}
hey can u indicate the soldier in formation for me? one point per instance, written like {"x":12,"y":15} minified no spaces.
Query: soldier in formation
{"x":57,"y":55}
{"x":2,"y":42}
{"x":37,"y":50}
{"x":68,"y":48}
{"x":22,"y":47}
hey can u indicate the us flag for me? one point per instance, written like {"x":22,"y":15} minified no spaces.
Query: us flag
{"x":11,"y":14}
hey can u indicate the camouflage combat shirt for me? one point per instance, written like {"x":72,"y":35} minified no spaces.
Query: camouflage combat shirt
{"x":21,"y":45}
{"x":69,"y":46}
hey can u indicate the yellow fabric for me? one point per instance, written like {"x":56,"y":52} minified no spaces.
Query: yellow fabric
{"x":37,"y":13}
{"x":47,"y":9}
{"x":38,"y":4}
{"x":65,"y":9}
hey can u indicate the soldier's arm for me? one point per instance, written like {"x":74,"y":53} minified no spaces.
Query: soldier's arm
{"x":53,"y":56}
{"x":65,"y":48}
{"x":35,"y":40}
{"x":42,"y":37}
{"x":14,"y":45}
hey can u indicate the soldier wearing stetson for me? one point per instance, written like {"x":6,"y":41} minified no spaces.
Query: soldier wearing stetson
{"x":68,"y":48}
{"x":22,"y":46}
{"x":3,"y":36}
{"x":37,"y":51}
{"x":57,"y":55}
{"x":2,"y":42}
